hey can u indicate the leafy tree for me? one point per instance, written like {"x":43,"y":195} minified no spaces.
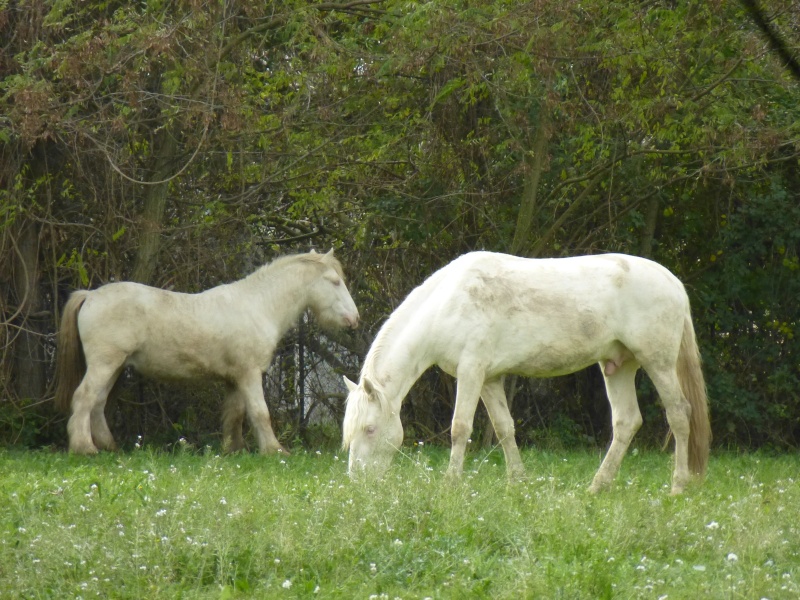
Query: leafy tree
{"x":182,"y":144}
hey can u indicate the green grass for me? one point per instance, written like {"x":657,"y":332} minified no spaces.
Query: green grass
{"x":196,"y":525}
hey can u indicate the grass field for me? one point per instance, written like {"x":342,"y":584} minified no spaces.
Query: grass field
{"x":193,"y":524}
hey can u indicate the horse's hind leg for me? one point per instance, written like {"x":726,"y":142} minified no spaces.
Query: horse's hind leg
{"x":233,"y":413}
{"x":625,"y":421}
{"x":494,"y":398}
{"x":88,"y":425}
{"x":256,"y":407}
{"x":678,"y":416}
{"x":101,"y":434}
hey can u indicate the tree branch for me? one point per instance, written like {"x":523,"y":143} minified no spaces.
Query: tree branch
{"x":775,"y":41}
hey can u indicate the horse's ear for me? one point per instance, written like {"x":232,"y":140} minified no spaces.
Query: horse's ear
{"x":368,"y":386}
{"x":350,"y":385}
{"x":313,"y":251}
{"x":329,"y":253}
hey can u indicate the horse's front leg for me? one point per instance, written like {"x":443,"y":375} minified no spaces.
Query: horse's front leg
{"x":233,"y":412}
{"x":468,"y":392}
{"x":256,"y":408}
{"x":494,"y":398}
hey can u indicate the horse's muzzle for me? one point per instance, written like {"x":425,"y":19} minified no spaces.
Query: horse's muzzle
{"x":351,"y":320}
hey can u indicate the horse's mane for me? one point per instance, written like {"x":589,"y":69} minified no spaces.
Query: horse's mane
{"x":356,"y":413}
{"x":409,"y":306}
{"x":356,"y":409}
{"x":282,"y":262}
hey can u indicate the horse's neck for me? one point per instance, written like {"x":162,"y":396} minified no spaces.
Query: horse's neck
{"x":280,"y":295}
{"x":401,"y":356}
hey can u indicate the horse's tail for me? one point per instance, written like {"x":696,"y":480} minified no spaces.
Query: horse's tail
{"x":70,"y":361}
{"x":693,"y":386}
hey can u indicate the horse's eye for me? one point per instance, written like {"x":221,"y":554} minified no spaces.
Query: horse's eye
{"x":370,"y":429}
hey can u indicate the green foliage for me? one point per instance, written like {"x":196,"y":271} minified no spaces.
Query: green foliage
{"x":404,"y":134}
{"x":751,"y":296}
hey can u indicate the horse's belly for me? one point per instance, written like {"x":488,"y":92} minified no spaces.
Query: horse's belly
{"x":556,"y":359}
{"x":171,"y":366}
{"x":551,"y":366}
{"x":551,"y":357}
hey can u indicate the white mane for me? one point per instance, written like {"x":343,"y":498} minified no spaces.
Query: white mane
{"x":295,"y":260}
{"x":399,"y":318}
{"x":358,"y":401}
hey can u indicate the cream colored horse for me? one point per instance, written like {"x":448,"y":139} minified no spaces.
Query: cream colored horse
{"x":485,"y":315}
{"x":227,"y":333}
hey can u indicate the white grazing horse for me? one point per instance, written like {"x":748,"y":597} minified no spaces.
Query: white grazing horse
{"x":227,"y":333}
{"x":486,"y":314}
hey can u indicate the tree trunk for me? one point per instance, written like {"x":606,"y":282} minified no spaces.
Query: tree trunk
{"x":527,"y":206}
{"x":28,"y":355}
{"x":155,"y":203}
{"x":650,"y":222}
{"x":551,"y":232}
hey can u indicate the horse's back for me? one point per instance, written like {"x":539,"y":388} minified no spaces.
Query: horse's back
{"x":493,"y":282}
{"x":125,"y":305}
{"x":161,"y":333}
{"x":550,"y":316}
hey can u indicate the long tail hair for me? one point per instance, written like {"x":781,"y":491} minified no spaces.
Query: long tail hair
{"x":693,"y":386}
{"x":70,"y":361}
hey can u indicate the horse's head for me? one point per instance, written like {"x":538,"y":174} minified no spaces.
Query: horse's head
{"x":372,"y":431}
{"x":329,"y":298}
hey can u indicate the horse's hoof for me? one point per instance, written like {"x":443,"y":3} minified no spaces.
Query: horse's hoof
{"x":451,"y":476}
{"x":515,"y":475}
{"x":598,"y":487}
{"x":679,"y":485}
{"x":83,"y":449}
{"x":234,"y":448}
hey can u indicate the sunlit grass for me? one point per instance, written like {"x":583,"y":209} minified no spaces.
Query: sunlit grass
{"x":197,"y":525}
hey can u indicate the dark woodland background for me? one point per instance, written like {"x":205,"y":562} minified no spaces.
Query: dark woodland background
{"x":183,"y":144}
